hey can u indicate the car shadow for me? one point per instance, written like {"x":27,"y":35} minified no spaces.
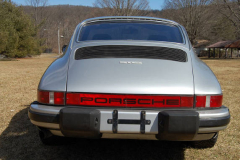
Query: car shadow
{"x":20,"y":141}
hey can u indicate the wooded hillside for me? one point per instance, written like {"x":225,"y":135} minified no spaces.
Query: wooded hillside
{"x":203,"y":19}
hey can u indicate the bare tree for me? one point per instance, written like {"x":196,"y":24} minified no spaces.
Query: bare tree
{"x":38,"y":13}
{"x":124,"y":7}
{"x":231,"y":10}
{"x":192,"y":14}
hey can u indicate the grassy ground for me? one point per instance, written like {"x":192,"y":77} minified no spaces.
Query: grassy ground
{"x":19,"y":138}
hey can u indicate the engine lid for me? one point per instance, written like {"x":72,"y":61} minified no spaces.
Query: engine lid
{"x":130,"y":76}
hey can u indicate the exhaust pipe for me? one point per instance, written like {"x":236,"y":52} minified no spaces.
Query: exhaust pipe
{"x":44,"y":134}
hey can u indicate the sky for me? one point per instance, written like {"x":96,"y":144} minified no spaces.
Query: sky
{"x":154,"y":4}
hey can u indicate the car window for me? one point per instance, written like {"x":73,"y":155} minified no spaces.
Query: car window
{"x":130,"y":31}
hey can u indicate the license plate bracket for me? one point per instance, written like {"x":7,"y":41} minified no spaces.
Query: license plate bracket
{"x":115,"y":121}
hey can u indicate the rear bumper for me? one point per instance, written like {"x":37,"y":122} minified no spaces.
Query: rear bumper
{"x":177,"y":125}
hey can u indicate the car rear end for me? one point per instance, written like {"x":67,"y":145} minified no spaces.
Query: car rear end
{"x":136,"y":83}
{"x":94,"y":121}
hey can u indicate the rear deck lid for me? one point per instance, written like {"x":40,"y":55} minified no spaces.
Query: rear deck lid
{"x":130,"y":70}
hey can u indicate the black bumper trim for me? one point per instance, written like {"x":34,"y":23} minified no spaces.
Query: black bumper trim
{"x":52,"y":118}
{"x":216,"y":122}
{"x":43,"y":117}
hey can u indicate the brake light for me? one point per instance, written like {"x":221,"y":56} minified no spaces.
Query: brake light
{"x":59,"y":98}
{"x":43,"y":97}
{"x":216,"y":101}
{"x":46,"y":97}
{"x":112,"y":100}
{"x":200,"y":101}
{"x":209,"y":101}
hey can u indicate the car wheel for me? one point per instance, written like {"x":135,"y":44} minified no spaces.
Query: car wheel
{"x":206,"y":143}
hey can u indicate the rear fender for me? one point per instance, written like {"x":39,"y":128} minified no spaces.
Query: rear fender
{"x":55,"y":77}
{"x":205,"y":81}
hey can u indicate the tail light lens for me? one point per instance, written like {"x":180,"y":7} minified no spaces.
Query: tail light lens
{"x":43,"y":97}
{"x":112,"y":100}
{"x":187,"y":101}
{"x":209,"y":101}
{"x":56,"y":98}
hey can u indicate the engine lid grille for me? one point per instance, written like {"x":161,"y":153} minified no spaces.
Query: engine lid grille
{"x":124,"y":51}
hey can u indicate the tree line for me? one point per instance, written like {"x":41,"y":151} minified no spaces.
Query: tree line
{"x":212,"y":20}
{"x":17,"y":32}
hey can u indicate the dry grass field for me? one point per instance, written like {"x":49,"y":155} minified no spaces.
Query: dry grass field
{"x":19,"y":138}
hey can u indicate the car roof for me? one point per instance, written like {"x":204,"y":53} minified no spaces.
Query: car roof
{"x":141,"y":18}
{"x":127,"y":18}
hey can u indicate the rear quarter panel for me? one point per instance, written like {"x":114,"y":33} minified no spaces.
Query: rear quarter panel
{"x":55,"y":77}
{"x":204,"y":79}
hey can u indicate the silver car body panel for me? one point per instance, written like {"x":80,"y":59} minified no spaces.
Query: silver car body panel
{"x":205,"y":81}
{"x":107,"y":75}
{"x":55,"y":77}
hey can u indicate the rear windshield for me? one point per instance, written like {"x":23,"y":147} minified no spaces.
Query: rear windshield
{"x":130,"y":31}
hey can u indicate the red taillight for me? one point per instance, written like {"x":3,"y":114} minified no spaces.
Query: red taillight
{"x":59,"y":98}
{"x":112,"y":100}
{"x":209,"y":101}
{"x":72,"y":99}
{"x":186,"y":101}
{"x":200,"y":101}
{"x":216,"y":101}
{"x":56,"y":98}
{"x":43,"y":97}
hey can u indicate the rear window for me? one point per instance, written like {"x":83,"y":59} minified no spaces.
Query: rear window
{"x":130,"y":31}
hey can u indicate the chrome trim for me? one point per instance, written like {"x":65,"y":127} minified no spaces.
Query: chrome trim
{"x":128,"y":18}
{"x":75,"y":34}
{"x":46,"y":125}
{"x":203,"y":114}
{"x":211,"y":129}
{"x":214,"y":113}
{"x":40,"y":108}
{"x":198,"y":137}
{"x":56,"y":133}
{"x":186,"y":37}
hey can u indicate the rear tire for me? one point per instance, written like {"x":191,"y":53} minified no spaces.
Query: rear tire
{"x":206,"y":143}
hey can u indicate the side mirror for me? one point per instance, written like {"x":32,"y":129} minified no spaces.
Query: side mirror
{"x":64,"y":47}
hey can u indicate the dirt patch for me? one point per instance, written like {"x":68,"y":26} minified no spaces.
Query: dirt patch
{"x":19,"y":138}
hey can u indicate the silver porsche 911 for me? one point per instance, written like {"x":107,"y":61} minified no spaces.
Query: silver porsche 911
{"x":131,"y":78}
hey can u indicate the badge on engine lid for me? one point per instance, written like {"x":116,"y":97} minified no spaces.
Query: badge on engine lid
{"x":130,"y":62}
